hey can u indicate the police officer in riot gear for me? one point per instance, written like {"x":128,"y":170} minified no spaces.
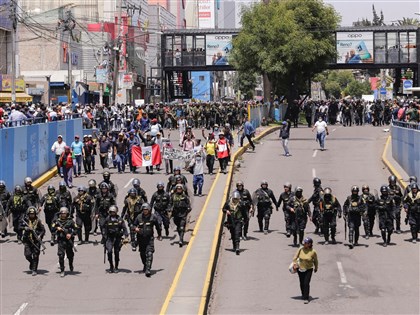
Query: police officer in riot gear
{"x":83,"y":204}
{"x":160,"y":202}
{"x":140,"y":191}
{"x":31,"y":192}
{"x":385,"y":206}
{"x":144,"y":226}
{"x":17,"y":206}
{"x":285,"y":197}
{"x":113,"y":189}
{"x":114,"y":230}
{"x":93,"y":190}
{"x":131,"y":209}
{"x":315,"y":199}
{"x":354,"y":208}
{"x":4,"y":198}
{"x":32,"y":233}
{"x":246,"y":200}
{"x":264,"y":199}
{"x":64,"y":197}
{"x":65,"y":229}
{"x":172,"y":180}
{"x":369,"y":218}
{"x":299,"y":211}
{"x":396,"y":193}
{"x":51,"y":206}
{"x":102,"y":204}
{"x":330,"y":207}
{"x":235,"y":215}
{"x":412,"y":180}
{"x":412,"y":208}
{"x":180,"y":206}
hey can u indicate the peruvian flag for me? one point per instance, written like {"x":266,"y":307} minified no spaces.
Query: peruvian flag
{"x":146,"y":156}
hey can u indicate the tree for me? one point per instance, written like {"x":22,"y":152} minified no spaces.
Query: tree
{"x":289,"y":41}
{"x":376,"y":20}
{"x":246,"y":83}
{"x":357,"y":89}
{"x":408,"y":21}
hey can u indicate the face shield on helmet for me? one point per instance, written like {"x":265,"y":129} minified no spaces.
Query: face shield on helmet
{"x":365,"y":189}
{"x":287,"y":187}
{"x":132,"y":193}
{"x":298,"y":192}
{"x":104,"y":188}
{"x":28,"y":181}
{"x":62,"y":186}
{"x":92,"y":183}
{"x":264,"y":184}
{"x":384,"y":190}
{"x":18,"y":190}
{"x":160,"y":185}
{"x":136,"y":183}
{"x":51,"y":189}
{"x":64,"y":212}
{"x":113,"y":210}
{"x":106,"y":176}
{"x":392,"y":180}
{"x":354,"y":190}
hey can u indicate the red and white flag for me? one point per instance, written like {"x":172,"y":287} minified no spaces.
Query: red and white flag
{"x":146,"y":156}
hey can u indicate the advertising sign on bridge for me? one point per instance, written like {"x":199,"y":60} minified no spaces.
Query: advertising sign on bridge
{"x":354,"y":47}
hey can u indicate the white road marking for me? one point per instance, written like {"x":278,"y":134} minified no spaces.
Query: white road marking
{"x":334,"y":129}
{"x":315,"y":152}
{"x":21,"y":308}
{"x":313,"y":173}
{"x":341,"y":271}
{"x":129,"y":182}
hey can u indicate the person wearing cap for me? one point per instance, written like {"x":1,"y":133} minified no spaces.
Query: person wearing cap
{"x":284,"y":135}
{"x":155,"y":128}
{"x":58,"y":149}
{"x":306,"y":262}
{"x":248,"y":132}
{"x":78,"y":152}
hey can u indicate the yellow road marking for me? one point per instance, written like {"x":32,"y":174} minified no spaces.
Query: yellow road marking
{"x":390,"y":166}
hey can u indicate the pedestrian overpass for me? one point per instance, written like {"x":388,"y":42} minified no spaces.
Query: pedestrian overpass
{"x":383,"y":47}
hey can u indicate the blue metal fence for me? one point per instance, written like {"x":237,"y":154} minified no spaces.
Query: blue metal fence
{"x":406,"y":147}
{"x":26,"y":150}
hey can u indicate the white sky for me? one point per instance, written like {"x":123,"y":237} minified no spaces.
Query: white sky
{"x":352,"y":10}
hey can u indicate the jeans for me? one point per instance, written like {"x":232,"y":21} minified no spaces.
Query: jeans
{"x":305,"y":280}
{"x":321,"y":138}
{"x":59,"y":169}
{"x":285,"y":143}
{"x":68,"y":176}
{"x":120,"y":159}
{"x":198,"y":181}
{"x":77,"y":165}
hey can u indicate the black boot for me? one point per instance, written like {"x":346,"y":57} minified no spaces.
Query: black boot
{"x":388,"y":240}
{"x":71,"y":264}
{"x":414,"y":236}
{"x":35,"y":266}
{"x":295,"y":239}
{"x":117,"y":261}
{"x":301,"y":233}
{"x":356,"y":237}
{"x":383,"y":233}
{"x":111,"y":266}
{"x":181,"y":239}
{"x":351,"y":244}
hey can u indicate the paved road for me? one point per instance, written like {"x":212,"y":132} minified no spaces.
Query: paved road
{"x":89,"y":290}
{"x":371,"y":279}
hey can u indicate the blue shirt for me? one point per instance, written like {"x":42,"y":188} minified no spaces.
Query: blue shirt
{"x":77,"y":147}
{"x":248,"y":128}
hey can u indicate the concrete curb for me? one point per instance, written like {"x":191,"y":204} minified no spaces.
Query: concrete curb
{"x":206,"y":293}
{"x":389,"y":165}
{"x":45,"y":177}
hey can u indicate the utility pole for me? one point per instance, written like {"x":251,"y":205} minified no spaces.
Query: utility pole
{"x":117,"y":52}
{"x":13,"y":17}
{"x":101,"y":85}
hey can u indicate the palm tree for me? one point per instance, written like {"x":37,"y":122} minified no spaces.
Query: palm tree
{"x":408,"y":21}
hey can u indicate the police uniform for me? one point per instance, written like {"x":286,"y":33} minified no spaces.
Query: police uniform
{"x":51,"y":206}
{"x":84,"y":206}
{"x":32,"y":233}
{"x":412,"y":207}
{"x":330,"y":207}
{"x":131,"y":209}
{"x":369,"y":219}
{"x":298,"y":217}
{"x":246,"y":201}
{"x":315,"y":199}
{"x":396,"y":193}
{"x":180,"y":206}
{"x":264,"y":200}
{"x":145,"y":238}
{"x":235,"y":219}
{"x":102,"y":204}
{"x":160,"y":202}
{"x":354,"y":208}
{"x":284,"y":198}
{"x":114,"y":230}
{"x":17,"y":206}
{"x":385,"y":206}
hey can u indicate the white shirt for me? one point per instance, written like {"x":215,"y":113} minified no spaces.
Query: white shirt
{"x":154,"y":129}
{"x":182,"y":125}
{"x":320,"y":126}
{"x":58,"y":148}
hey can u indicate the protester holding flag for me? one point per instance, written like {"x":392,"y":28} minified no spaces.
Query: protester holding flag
{"x":148,"y":155}
{"x":148,"y":141}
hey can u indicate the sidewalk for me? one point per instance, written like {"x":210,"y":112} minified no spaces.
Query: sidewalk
{"x":190,"y":289}
{"x":393,"y":165}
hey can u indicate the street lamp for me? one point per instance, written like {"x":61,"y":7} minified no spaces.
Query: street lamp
{"x":48,"y":77}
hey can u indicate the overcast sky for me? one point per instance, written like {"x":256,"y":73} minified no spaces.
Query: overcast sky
{"x":352,"y":10}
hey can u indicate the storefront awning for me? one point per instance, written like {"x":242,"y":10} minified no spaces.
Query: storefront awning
{"x":20,"y":97}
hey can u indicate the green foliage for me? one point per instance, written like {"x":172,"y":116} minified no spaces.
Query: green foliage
{"x":246,"y":82}
{"x":408,"y":21}
{"x":357,"y":89}
{"x":340,"y":83}
{"x":288,"y":40}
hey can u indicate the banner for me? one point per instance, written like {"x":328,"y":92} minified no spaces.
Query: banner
{"x":218,"y":48}
{"x":206,"y":16}
{"x":354,"y":47}
{"x":6,"y":83}
{"x":146,"y":156}
{"x":176,"y":154}
{"x":101,"y":75}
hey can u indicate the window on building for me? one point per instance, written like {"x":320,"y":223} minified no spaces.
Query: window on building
{"x":380,"y":48}
{"x":393,"y":48}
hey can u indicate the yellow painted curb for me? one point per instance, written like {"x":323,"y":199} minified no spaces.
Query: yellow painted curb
{"x":205,"y":294}
{"x":389,"y":166}
{"x":45,"y":177}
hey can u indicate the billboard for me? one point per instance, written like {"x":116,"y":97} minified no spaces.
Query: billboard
{"x":6,"y":84}
{"x":354,"y":47}
{"x":218,"y":48}
{"x":206,"y":16}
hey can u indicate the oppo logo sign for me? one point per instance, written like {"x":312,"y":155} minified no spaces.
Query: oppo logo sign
{"x":222,"y":37}
{"x":354,"y":35}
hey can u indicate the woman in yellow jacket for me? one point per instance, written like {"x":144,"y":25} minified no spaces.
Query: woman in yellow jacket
{"x":306,"y":261}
